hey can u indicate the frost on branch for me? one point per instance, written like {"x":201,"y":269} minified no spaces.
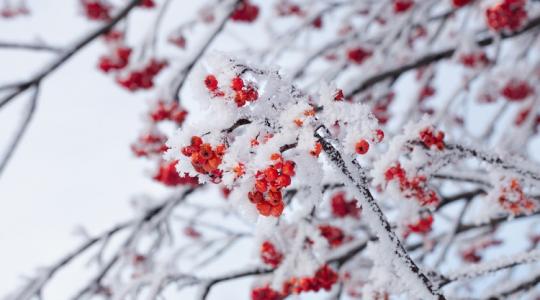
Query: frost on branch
{"x":260,"y":140}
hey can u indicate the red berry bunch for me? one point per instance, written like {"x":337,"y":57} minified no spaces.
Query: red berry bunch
{"x":142,"y":78}
{"x":334,"y":235}
{"x":149,"y":144}
{"x":265,"y":293}
{"x":474,"y":60}
{"x":516,"y":90}
{"x":270,"y":255}
{"x":204,"y":158}
{"x":412,"y":188}
{"x":269,"y":182}
{"x":171,"y":111}
{"x":460,"y":3}
{"x":423,"y":225}
{"x":324,"y":278}
{"x":245,"y":12}
{"x":401,"y":6}
{"x":96,"y":10}
{"x":243,"y":93}
{"x":147,"y":3}
{"x":513,"y":199}
{"x":342,"y":208}
{"x":431,"y":138}
{"x":168,"y":175}
{"x":8,"y":11}
{"x":507,"y":15}
{"x":117,"y":60}
{"x":358,"y":55}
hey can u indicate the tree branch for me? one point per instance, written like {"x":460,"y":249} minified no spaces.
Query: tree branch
{"x":69,"y":53}
{"x":431,"y":58}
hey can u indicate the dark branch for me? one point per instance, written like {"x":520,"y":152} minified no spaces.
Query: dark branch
{"x":69,"y":53}
{"x":431,"y":58}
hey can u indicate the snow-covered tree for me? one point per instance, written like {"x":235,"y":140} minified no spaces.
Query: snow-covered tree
{"x":340,"y":149}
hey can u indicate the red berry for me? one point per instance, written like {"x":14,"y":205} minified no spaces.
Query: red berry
{"x":283,"y":181}
{"x":516,"y":90}
{"x":237,"y":84}
{"x":362,"y":147}
{"x":211,"y":82}
{"x":270,"y":255}
{"x":460,"y":3}
{"x":358,"y":55}
{"x":401,"y":6}
{"x":245,"y":12}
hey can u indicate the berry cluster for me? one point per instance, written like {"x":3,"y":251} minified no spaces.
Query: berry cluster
{"x":358,"y":55}
{"x":513,"y":199}
{"x":245,"y":12}
{"x":242,"y":93}
{"x":516,"y":90}
{"x":270,"y":255}
{"x":334,"y":235}
{"x":142,"y":78}
{"x":171,"y":111}
{"x":423,"y":225}
{"x":168,"y":175}
{"x":509,"y":15}
{"x":265,"y":293}
{"x":460,"y":3}
{"x":117,"y":60}
{"x":401,"y":6}
{"x":412,"y":188}
{"x":149,"y":144}
{"x":324,"y":279}
{"x":11,"y":12}
{"x":96,"y":10}
{"x":204,"y":159}
{"x":431,"y":138}
{"x":474,"y":60}
{"x":267,"y":195}
{"x":147,"y":3}
{"x":342,"y":208}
